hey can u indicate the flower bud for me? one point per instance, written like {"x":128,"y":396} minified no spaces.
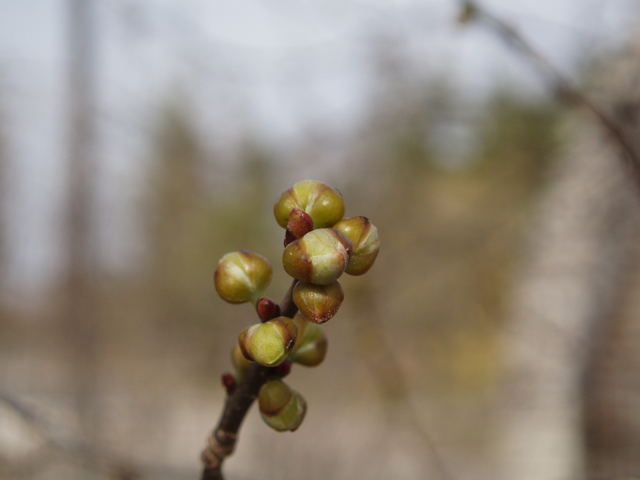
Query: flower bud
{"x":281,"y":408}
{"x":366,"y":244}
{"x":311,"y":345}
{"x":319,"y":257}
{"x":240,"y":363}
{"x":323,"y":203}
{"x":318,"y":302}
{"x":242,"y":277}
{"x":269,"y":343}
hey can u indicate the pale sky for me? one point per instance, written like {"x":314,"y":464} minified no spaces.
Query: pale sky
{"x":272,"y":67}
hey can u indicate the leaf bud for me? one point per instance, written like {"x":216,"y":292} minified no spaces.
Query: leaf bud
{"x":267,"y":309}
{"x":300,"y":223}
{"x":318,"y":302}
{"x":242,"y":277}
{"x":228,"y":382}
{"x":281,"y":408}
{"x":366,"y":244}
{"x":311,"y":345}
{"x":240,"y":363}
{"x":268,"y":343}
{"x":283,"y":369}
{"x":319,"y":257}
{"x":323,"y":203}
{"x":289,"y":237}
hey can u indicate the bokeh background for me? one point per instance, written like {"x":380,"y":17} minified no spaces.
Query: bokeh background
{"x":141,"y":140}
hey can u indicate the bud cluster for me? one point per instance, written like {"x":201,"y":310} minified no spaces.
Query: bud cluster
{"x":320,"y":245}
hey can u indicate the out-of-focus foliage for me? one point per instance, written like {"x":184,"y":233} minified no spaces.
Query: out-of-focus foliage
{"x":455,"y":233}
{"x":423,"y":321}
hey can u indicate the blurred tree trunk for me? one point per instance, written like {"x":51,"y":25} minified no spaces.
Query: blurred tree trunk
{"x":570,"y":294}
{"x":78,"y":317}
{"x":3,"y":211}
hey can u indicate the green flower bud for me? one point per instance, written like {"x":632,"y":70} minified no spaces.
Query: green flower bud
{"x":366,"y":244}
{"x":269,"y":343}
{"x":240,"y":363}
{"x":281,"y":408}
{"x":242,"y":277}
{"x":318,"y":302}
{"x":319,"y":257}
{"x":311,"y":345}
{"x":323,"y":203}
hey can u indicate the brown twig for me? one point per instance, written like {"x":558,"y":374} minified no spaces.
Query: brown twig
{"x":472,"y":11}
{"x":223,"y":439}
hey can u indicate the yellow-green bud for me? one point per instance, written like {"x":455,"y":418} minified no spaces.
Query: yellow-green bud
{"x":311,"y":345}
{"x":319,"y":257}
{"x":242,"y":277}
{"x":281,"y":408}
{"x":366,"y":244}
{"x":323,"y":203}
{"x":318,"y":302}
{"x":269,"y":343}
{"x":240,"y":363}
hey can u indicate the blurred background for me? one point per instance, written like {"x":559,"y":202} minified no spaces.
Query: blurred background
{"x":497,"y":336}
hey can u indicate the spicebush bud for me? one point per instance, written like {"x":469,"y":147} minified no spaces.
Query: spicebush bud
{"x":281,"y":408}
{"x":311,"y":345}
{"x":366,"y":244}
{"x":269,"y":343}
{"x":283,"y":369}
{"x":229,"y":382}
{"x":242,"y":277}
{"x":320,"y":257}
{"x":267,"y":308}
{"x":300,"y":223}
{"x":323,"y":203}
{"x":240,"y":363}
{"x":318,"y":302}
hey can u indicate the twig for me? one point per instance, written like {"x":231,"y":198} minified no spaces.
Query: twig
{"x":223,"y":439}
{"x":472,"y":11}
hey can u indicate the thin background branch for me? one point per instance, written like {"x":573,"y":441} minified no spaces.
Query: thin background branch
{"x":471,"y":11}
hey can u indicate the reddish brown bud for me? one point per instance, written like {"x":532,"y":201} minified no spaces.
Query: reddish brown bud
{"x":288,"y":238}
{"x":229,"y":383}
{"x":300,"y":223}
{"x":283,"y":369}
{"x":267,"y":309}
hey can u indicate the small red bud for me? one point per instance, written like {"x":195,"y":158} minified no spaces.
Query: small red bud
{"x":283,"y":369}
{"x":268,"y":309}
{"x":300,"y":223}
{"x":229,"y":383}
